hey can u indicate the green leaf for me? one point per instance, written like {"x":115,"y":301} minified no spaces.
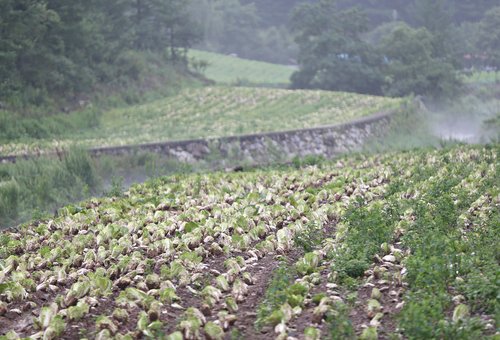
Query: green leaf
{"x":190,"y":226}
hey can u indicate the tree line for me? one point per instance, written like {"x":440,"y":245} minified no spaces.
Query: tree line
{"x":442,"y":32}
{"x":60,"y":47}
{"x":63,"y":49}
{"x":424,"y":59}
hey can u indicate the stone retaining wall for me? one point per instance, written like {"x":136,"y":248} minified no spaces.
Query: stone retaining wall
{"x":327,"y":141}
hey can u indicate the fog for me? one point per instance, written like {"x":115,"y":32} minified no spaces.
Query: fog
{"x":468,"y":119}
{"x":469,"y":130}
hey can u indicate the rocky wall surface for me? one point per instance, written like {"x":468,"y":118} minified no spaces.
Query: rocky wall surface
{"x":326,"y":141}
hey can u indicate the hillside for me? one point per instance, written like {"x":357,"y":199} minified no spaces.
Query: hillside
{"x":233,"y":70}
{"x":213,"y":112}
{"x":394,"y":245}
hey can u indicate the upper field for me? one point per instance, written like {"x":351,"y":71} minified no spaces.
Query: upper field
{"x":231,"y":70}
{"x":482,"y":78}
{"x":215,"y":112}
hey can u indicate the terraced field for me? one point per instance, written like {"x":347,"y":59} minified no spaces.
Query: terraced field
{"x":215,"y":112}
{"x":401,"y":244}
{"x":232,"y":70}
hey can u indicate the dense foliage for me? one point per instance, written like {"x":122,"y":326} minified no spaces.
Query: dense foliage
{"x":61,"y":49}
{"x":489,"y":36}
{"x":394,"y":245}
{"x":418,"y":49}
{"x":54,"y":52}
{"x":458,"y":18}
{"x":334,"y":53}
{"x":380,"y":11}
{"x":412,"y":67}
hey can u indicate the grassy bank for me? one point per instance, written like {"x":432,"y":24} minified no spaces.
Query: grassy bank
{"x":35,"y":188}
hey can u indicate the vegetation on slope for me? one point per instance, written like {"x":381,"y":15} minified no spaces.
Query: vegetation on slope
{"x":55,"y":53}
{"x":402,"y":244}
{"x":231,"y":70}
{"x":30,"y":188}
{"x":212,"y":112}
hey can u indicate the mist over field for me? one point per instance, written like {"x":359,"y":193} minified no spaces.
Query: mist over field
{"x":469,"y":120}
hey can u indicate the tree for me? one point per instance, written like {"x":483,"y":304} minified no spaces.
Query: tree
{"x":77,"y":45}
{"x":332,"y":55}
{"x":436,"y":17}
{"x":60,"y":48}
{"x":159,"y":24}
{"x":274,"y":13}
{"x":28,"y":50}
{"x":412,"y":68}
{"x":489,"y":37}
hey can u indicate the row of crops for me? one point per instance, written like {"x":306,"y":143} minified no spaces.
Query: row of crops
{"x":213,"y":112}
{"x":386,"y":246}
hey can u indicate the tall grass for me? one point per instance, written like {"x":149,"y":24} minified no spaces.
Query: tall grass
{"x":9,"y":200}
{"x":33,"y":188}
{"x":37,"y":188}
{"x":16,"y":127}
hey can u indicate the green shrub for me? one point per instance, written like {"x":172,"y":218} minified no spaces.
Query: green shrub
{"x":79,"y":164}
{"x":355,"y":268}
{"x":276,"y":294}
{"x":421,"y":316}
{"x":308,"y":160}
{"x":309,"y":239}
{"x":15,"y":127}
{"x":338,"y":323}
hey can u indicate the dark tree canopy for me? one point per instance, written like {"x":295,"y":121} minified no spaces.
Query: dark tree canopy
{"x":62,"y":47}
{"x":489,"y":36}
{"x":332,"y":54}
{"x":59,"y":48}
{"x":275,"y":12}
{"x":411,"y":67}
{"x":403,"y":61}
